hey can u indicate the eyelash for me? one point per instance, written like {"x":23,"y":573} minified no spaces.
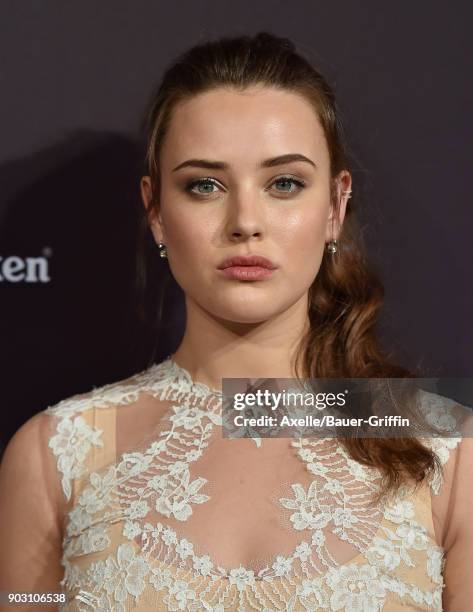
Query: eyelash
{"x":191,"y":184}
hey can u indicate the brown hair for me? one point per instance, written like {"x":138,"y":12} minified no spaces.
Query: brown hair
{"x":346,"y":294}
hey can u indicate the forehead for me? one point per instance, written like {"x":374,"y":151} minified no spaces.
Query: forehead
{"x":243,"y":126}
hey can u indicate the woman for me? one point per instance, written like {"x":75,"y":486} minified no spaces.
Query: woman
{"x":131,"y":488}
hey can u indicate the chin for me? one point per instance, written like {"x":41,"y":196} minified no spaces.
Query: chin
{"x":244,"y":312}
{"x":245,"y":319}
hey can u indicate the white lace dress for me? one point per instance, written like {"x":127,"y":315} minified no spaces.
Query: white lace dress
{"x":163,"y":513}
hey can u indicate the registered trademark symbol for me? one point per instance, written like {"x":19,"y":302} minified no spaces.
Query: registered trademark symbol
{"x":47,"y":251}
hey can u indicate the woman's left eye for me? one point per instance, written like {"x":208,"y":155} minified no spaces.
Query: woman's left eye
{"x":288,"y":180}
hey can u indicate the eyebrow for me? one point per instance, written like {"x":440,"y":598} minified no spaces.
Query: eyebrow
{"x":267,"y":163}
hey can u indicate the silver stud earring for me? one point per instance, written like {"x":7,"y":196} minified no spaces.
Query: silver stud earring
{"x":332,"y":246}
{"x":162,"y":250}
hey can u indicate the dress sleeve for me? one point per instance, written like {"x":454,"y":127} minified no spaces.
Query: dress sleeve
{"x":452,"y":499}
{"x":43,"y":467}
{"x":458,"y":529}
{"x":32,"y":508}
{"x":76,"y":442}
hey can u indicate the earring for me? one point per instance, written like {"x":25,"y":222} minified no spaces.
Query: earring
{"x":162,"y":250}
{"x":332,"y":246}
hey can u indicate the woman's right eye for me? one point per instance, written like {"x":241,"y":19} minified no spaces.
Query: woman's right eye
{"x":204,"y":182}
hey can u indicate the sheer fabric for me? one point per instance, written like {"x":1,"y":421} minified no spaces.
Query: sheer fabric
{"x":163,"y":513}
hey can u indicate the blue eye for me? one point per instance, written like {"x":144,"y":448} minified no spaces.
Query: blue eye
{"x":290,"y":180}
{"x":198,"y":183}
{"x":210,"y":182}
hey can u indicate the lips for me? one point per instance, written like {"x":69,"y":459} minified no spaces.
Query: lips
{"x":247,"y":268}
{"x":250,"y":260}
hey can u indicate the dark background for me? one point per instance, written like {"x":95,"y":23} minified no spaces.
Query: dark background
{"x":75,"y":81}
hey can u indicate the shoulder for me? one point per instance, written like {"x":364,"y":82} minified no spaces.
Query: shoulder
{"x":454,"y":449}
{"x":25,"y":455}
{"x":461,"y":489}
{"x":28,"y":473}
{"x":454,"y":423}
{"x":459,"y":529}
{"x":78,"y":425}
{"x":120,"y":392}
{"x":32,"y":509}
{"x":24,"y":450}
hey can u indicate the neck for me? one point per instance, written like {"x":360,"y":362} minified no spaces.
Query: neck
{"x":212,"y":348}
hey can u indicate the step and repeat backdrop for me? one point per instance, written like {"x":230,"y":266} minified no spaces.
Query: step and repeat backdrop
{"x":75,"y":83}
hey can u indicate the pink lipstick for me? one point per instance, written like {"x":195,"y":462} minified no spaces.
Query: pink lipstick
{"x":251,"y":267}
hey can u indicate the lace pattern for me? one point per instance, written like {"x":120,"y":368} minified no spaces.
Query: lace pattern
{"x":121,"y":551}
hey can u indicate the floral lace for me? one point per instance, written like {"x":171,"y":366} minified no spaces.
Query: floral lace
{"x":120,"y":551}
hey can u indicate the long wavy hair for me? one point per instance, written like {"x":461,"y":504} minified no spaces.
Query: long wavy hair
{"x":346,"y":294}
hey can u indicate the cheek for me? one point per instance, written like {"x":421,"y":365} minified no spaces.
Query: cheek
{"x":191,"y":240}
{"x":303,"y":238}
{"x":183,"y":231}
{"x":303,"y":243}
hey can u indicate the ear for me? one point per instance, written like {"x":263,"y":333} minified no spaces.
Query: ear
{"x":335,"y":221}
{"x":154,"y":217}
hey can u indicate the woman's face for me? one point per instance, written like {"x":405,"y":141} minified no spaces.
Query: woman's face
{"x":240,"y":199}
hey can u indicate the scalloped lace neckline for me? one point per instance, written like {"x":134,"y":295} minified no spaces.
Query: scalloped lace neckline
{"x":185,"y":378}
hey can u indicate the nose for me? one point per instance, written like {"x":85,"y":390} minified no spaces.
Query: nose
{"x":245,"y":217}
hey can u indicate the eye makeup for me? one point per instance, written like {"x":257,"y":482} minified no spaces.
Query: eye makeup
{"x":288,"y":179}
